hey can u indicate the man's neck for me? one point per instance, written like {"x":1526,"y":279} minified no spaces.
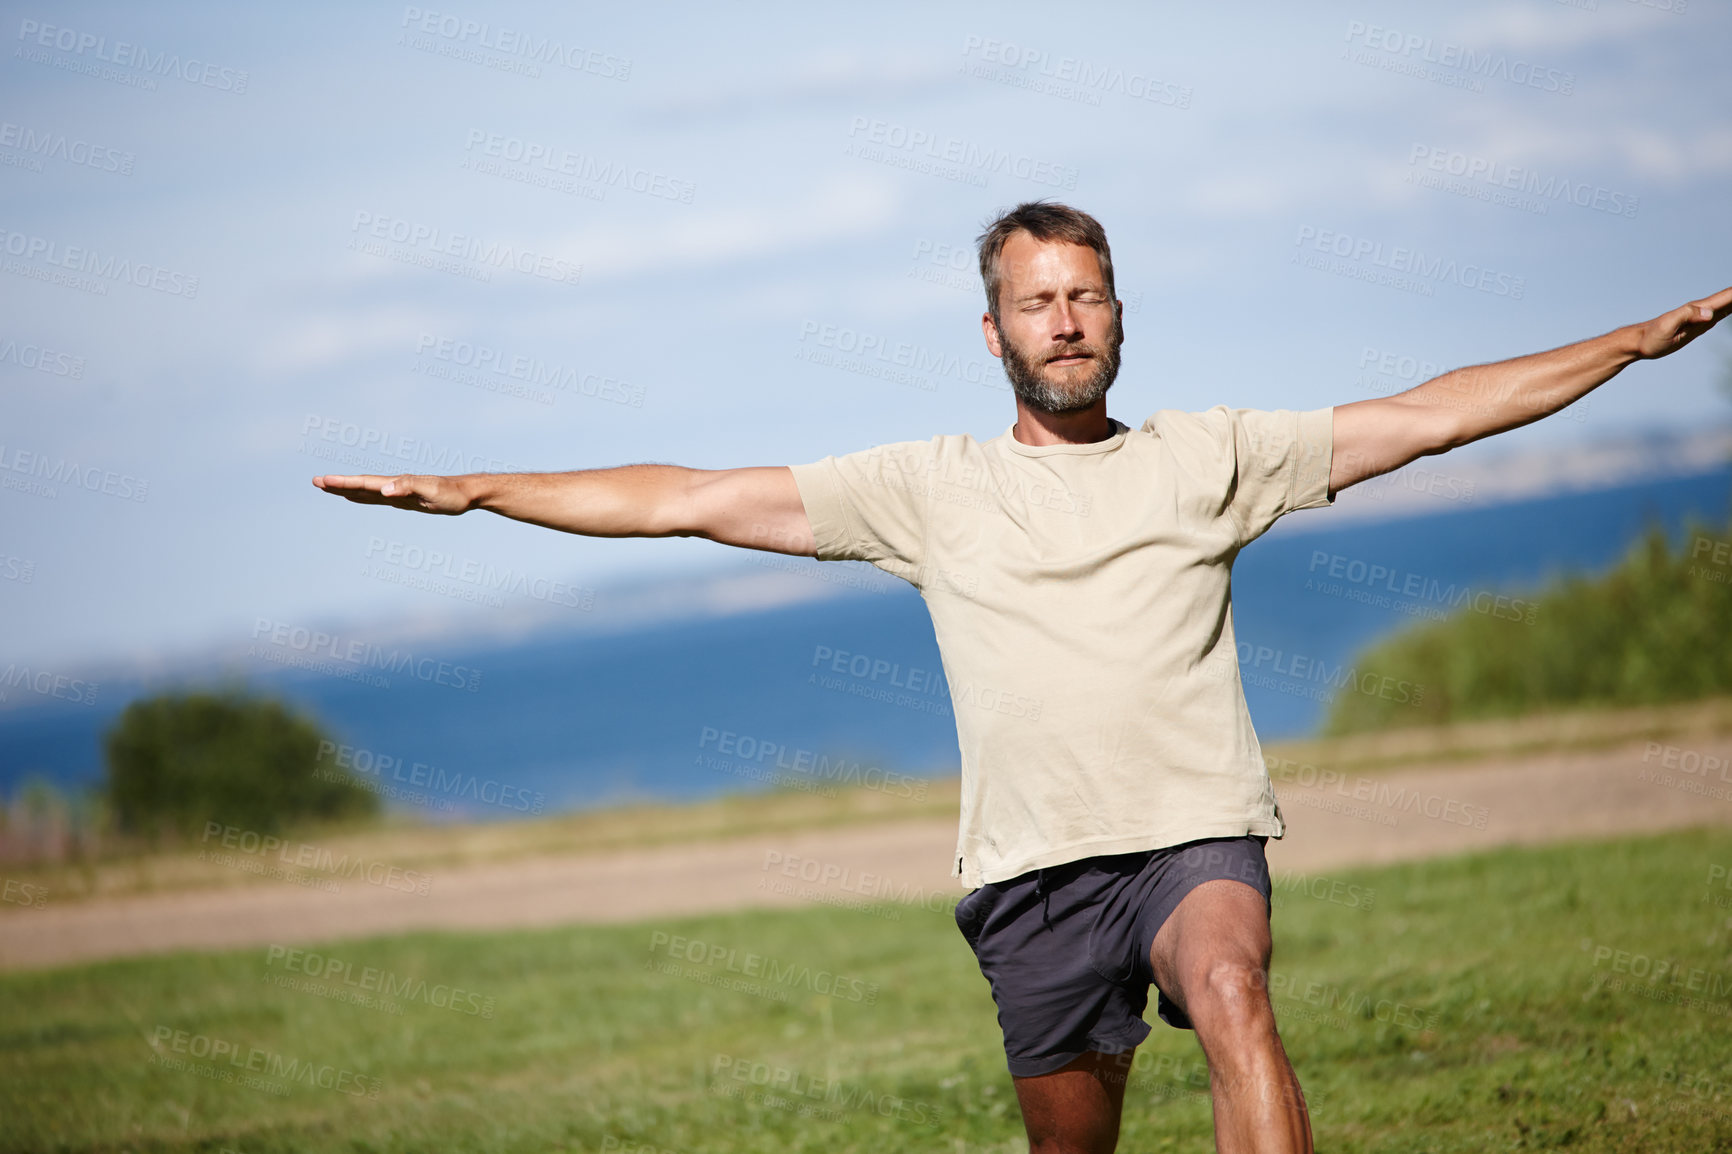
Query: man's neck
{"x":1084,"y":428}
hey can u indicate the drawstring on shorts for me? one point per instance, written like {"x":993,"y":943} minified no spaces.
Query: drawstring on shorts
{"x":1045,"y":896}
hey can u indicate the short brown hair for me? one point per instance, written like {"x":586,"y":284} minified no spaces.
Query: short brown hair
{"x":1044,"y":220}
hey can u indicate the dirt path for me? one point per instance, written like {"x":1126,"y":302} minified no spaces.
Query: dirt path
{"x":1332,"y":823}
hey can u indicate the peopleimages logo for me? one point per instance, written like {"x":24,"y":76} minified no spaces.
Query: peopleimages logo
{"x":167,"y":1041}
{"x":308,"y":856}
{"x":1417,"y":48}
{"x":46,"y":683}
{"x":77,"y":259}
{"x":312,"y":643}
{"x":745,"y":747}
{"x":1399,"y":582}
{"x":869,"y":137}
{"x":874,"y":354}
{"x":1070,"y":76}
{"x":770,"y":970}
{"x":1407,"y":263}
{"x":373,"y":980}
{"x":475,"y":572}
{"x":533,"y":372}
{"x":582,"y":167}
{"x":529,"y":48}
{"x":1424,"y":159}
{"x":1300,"y":668}
{"x":40,"y":359}
{"x":65,"y":471}
{"x":783,"y":1082}
{"x":349,"y":443}
{"x":70,"y":149}
{"x":432,"y":242}
{"x":34,"y":33}
{"x":372,"y":770}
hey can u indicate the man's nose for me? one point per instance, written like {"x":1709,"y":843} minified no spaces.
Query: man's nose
{"x":1065,"y":321}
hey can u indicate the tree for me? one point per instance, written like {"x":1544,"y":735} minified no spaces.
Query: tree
{"x":177,"y":761}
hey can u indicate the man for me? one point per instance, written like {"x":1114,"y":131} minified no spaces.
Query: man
{"x":1115,"y":802}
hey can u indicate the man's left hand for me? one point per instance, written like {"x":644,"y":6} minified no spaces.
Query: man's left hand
{"x":1669,"y":332}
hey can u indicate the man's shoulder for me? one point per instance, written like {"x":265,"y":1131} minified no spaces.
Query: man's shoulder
{"x":1184,"y":431}
{"x":1187,"y":422}
{"x":908,"y":457}
{"x":939,"y":444}
{"x":1239,"y":436}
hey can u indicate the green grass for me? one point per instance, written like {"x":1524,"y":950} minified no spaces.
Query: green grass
{"x":589,"y":1049}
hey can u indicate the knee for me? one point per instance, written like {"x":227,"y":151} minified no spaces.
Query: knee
{"x":1229,"y":998}
{"x":1099,"y":1143}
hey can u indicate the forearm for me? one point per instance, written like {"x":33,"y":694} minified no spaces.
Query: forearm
{"x":1375,"y":436}
{"x":1480,"y":400}
{"x":626,"y":501}
{"x":757,"y":507}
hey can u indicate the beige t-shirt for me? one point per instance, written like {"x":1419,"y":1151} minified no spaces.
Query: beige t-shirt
{"x":1080,"y":597}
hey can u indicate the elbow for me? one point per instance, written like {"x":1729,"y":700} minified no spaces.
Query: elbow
{"x":678,"y":507}
{"x":1452,"y":439}
{"x":1446,"y":429}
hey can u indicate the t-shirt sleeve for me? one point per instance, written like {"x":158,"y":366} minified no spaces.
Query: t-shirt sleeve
{"x":870,"y":506}
{"x":1280,"y":463}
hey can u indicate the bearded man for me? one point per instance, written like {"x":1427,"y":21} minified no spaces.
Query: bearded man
{"x":1115,"y":802}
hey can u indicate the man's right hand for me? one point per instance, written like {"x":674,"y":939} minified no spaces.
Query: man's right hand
{"x":446,"y":495}
{"x":757,"y":507}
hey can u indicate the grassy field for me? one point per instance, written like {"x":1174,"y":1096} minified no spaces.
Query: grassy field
{"x":1500,"y":1001}
{"x":442,"y":847}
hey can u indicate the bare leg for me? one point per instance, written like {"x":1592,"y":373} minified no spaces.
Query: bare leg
{"x":1075,"y":1109}
{"x":1212,"y":958}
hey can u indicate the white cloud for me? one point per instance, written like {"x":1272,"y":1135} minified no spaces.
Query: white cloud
{"x":1625,"y":144}
{"x":1673,"y":159}
{"x":827,"y":77}
{"x":1559,"y":27}
{"x":839,"y":208}
{"x":321,"y":341}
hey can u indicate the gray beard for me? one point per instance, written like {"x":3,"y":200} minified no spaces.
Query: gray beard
{"x":1040,"y":395}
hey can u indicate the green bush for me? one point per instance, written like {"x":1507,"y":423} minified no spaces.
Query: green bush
{"x":177,"y":761}
{"x":1656,"y":628}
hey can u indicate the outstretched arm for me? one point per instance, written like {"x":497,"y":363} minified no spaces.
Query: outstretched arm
{"x":1376,"y":436}
{"x":754,"y":508}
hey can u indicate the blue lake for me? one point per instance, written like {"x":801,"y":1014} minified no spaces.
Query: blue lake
{"x":591,"y":719}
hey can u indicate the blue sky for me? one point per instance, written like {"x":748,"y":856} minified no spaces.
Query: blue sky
{"x":681,"y":218}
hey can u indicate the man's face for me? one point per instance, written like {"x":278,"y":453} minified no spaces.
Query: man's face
{"x":1057,"y":329}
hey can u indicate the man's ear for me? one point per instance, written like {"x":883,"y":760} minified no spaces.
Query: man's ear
{"x":990,"y":332}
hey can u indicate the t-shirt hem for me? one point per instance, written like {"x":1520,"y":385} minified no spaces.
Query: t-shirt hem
{"x":976,"y":877}
{"x":832,"y":535}
{"x":1311,"y":479}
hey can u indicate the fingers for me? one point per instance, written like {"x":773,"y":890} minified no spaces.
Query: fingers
{"x":1713,"y":307}
{"x":333,"y":482}
{"x":1700,"y":316}
{"x":1672,"y":331}
{"x":1706,"y":312}
{"x":366,"y":490}
{"x":1709,"y":309}
{"x":416,"y":493}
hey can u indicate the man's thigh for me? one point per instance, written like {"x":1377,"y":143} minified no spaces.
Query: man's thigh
{"x":1032,"y":937}
{"x":1221,"y":923}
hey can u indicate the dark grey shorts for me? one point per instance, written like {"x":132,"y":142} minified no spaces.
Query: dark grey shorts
{"x":1066,"y":948}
